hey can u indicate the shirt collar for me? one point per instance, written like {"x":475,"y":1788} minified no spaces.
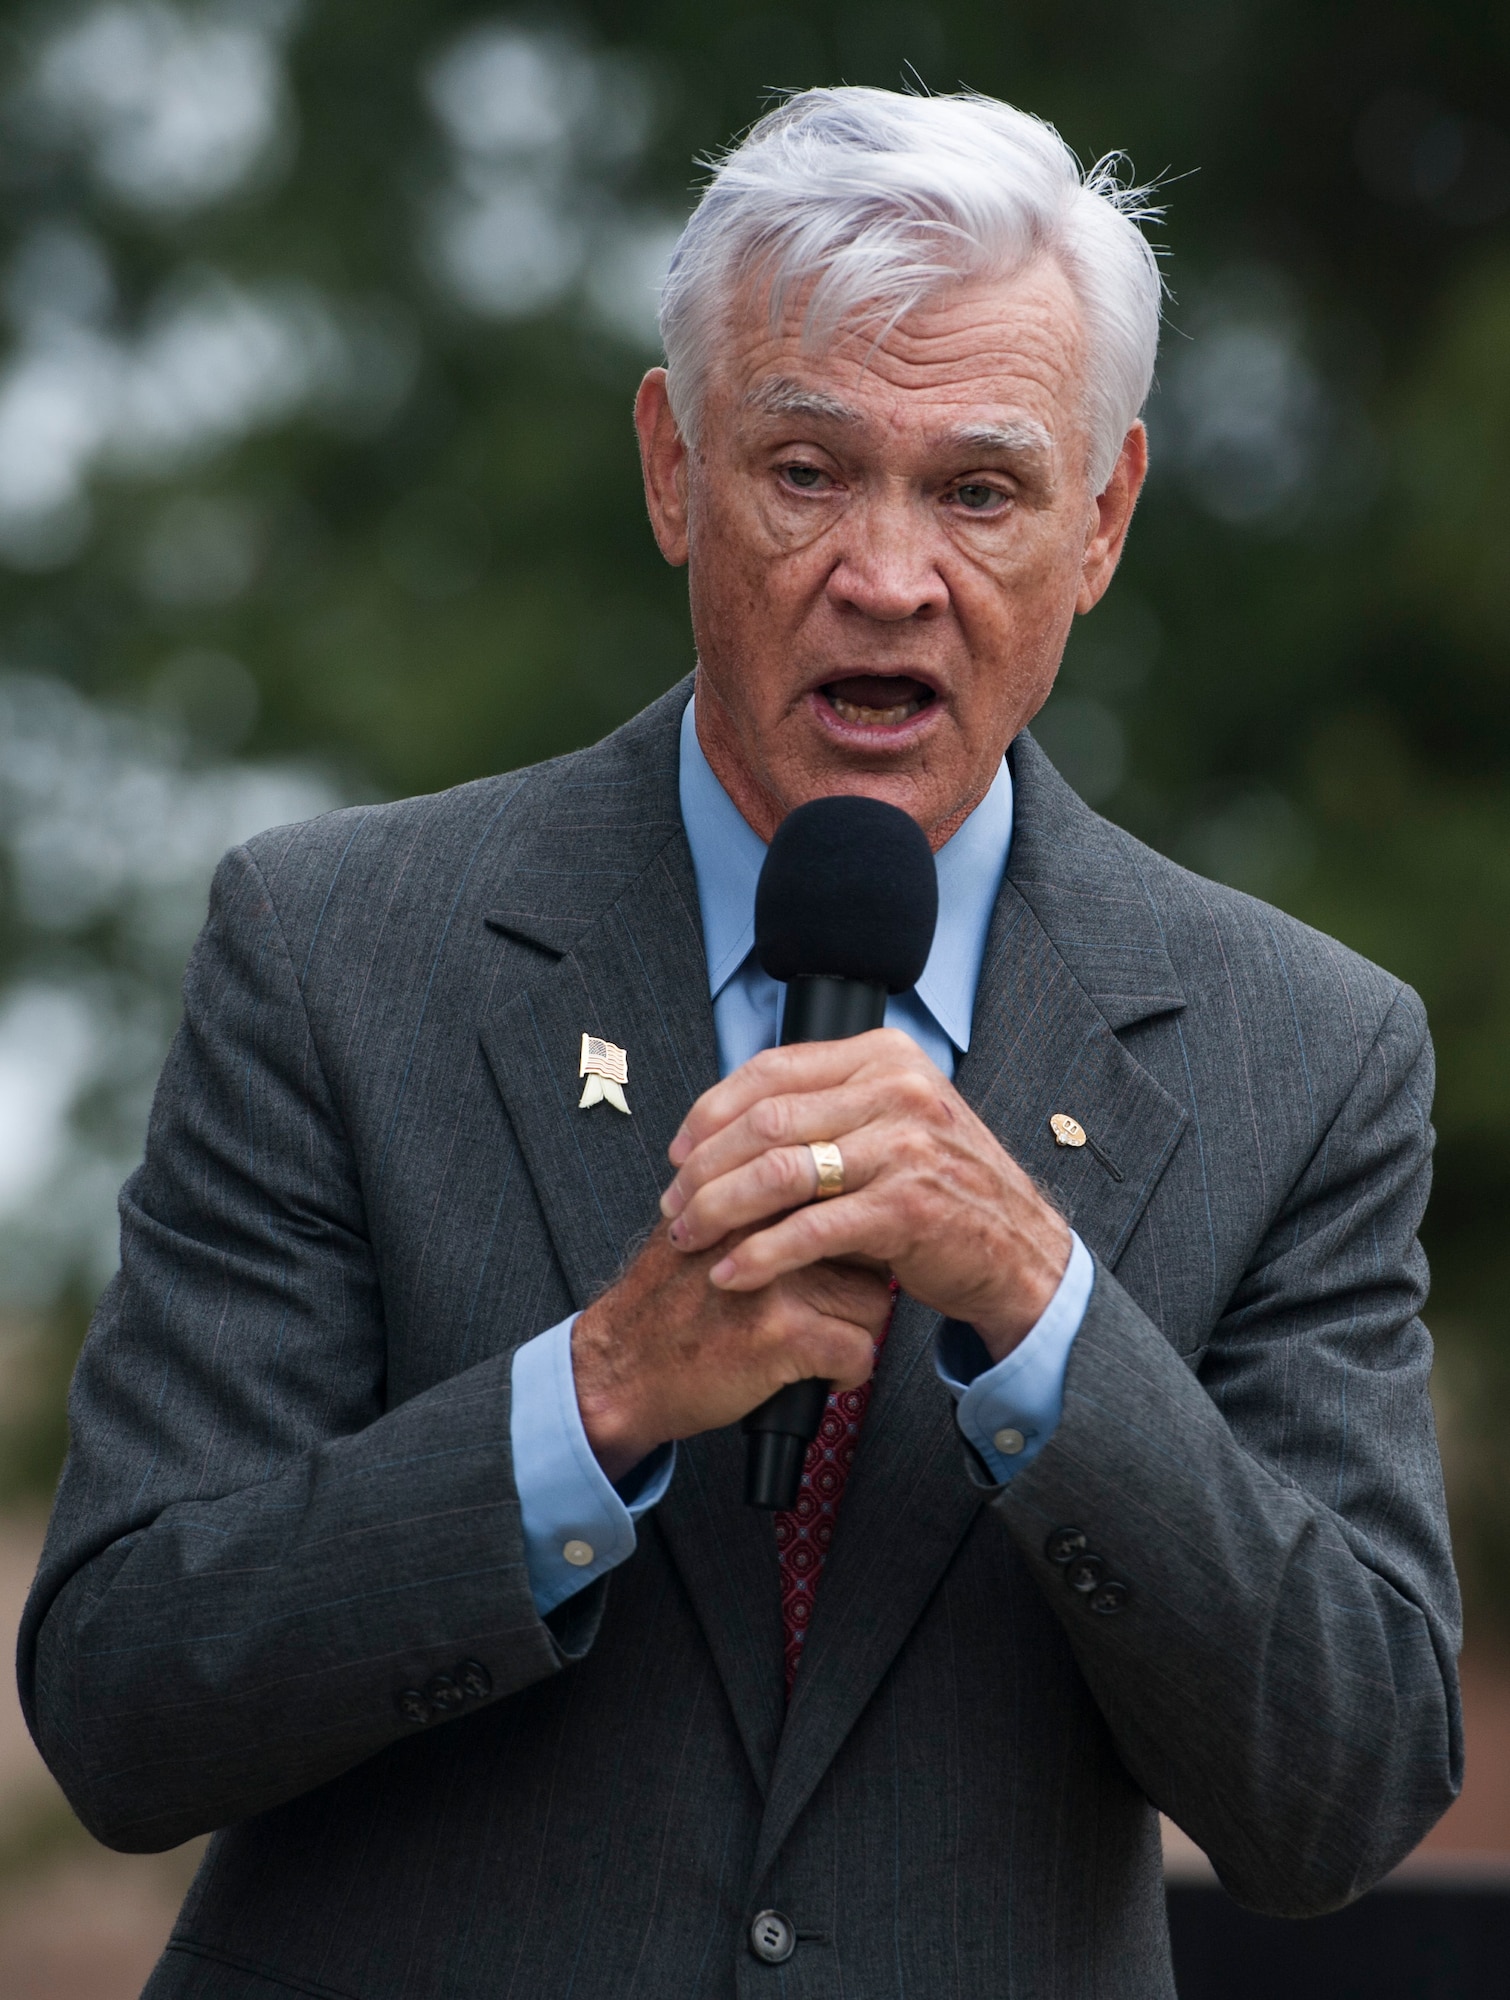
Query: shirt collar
{"x":727,"y":854}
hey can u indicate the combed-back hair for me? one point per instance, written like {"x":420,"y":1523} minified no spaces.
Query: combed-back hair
{"x":876,"y":200}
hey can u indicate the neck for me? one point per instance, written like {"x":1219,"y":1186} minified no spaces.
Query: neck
{"x":761,"y":808}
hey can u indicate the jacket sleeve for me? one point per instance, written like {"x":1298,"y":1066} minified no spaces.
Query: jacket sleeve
{"x":256,"y":1569}
{"x":1278,"y":1665}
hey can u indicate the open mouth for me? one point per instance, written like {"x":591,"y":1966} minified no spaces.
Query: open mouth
{"x":877,"y":701}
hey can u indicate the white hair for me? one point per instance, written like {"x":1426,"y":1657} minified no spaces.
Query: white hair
{"x":877,"y":200}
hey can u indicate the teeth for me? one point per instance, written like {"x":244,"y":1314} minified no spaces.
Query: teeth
{"x":852,"y":711}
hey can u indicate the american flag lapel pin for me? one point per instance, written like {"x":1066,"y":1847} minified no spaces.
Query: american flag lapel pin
{"x":606,"y":1069}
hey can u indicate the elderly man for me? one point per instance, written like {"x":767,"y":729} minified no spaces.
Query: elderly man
{"x":402,"y":1535}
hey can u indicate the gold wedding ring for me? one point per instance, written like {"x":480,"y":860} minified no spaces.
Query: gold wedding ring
{"x":829,"y":1163}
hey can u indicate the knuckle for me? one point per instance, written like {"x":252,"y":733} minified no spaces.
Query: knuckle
{"x":850,"y":1354}
{"x":772,"y":1173}
{"x":780,"y":1314}
{"x":769,"y":1119}
{"x":776,"y":1065}
{"x":914,"y":1091}
{"x":917,"y":1208}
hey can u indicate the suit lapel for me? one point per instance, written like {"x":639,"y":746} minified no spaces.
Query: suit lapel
{"x":602,"y":896}
{"x":1076,"y":951}
{"x":1040,"y":1044}
{"x":597,"y":904}
{"x":637,"y":977}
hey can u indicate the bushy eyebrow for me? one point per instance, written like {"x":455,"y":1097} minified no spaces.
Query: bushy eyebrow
{"x":780,"y":396}
{"x":1023,"y":435}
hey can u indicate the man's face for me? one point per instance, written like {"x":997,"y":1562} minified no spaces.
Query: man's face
{"x":886,"y":544}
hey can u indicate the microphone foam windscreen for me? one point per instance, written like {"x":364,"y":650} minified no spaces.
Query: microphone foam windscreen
{"x":848,"y":891}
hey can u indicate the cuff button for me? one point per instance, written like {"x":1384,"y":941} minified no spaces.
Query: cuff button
{"x":443,"y":1693}
{"x":413,"y":1707}
{"x":1009,"y":1442}
{"x":1084,"y":1573}
{"x":1063,"y":1545}
{"x":1109,"y":1598}
{"x":475,"y":1680}
{"x":578,"y":1554}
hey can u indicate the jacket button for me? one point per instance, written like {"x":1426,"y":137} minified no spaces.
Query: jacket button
{"x":1110,"y":1597}
{"x":476,"y":1681}
{"x":1084,"y":1573}
{"x":413,"y":1707}
{"x":773,"y":1937}
{"x":443,"y":1693}
{"x":1063,"y":1545}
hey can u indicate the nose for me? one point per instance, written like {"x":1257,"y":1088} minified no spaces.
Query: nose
{"x":887,"y":569}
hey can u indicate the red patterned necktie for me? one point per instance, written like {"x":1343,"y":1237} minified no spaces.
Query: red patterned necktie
{"x":804,"y":1536}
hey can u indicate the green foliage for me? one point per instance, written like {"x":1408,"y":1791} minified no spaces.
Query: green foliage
{"x":33,"y":1427}
{"x":438,"y":566}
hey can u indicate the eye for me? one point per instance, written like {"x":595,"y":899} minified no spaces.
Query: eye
{"x":805,"y":476}
{"x":977,"y":498}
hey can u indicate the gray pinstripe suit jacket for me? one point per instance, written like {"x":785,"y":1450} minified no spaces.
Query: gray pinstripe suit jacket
{"x":289,"y":1497}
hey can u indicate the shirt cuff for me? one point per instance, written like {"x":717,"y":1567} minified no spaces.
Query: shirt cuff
{"x":1009,"y":1411}
{"x":577,"y":1524}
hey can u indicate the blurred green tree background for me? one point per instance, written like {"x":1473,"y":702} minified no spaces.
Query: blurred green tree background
{"x":317,"y":483}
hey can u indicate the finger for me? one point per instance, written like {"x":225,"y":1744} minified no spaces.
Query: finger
{"x":788,"y":1120}
{"x":765,"y":1187}
{"x":838,"y":1352}
{"x":860,"y":1358}
{"x":803,"y":1066}
{"x":892,"y":1119}
{"x":844,"y":1291}
{"x":808,"y":1066}
{"x":772,"y":1183}
{"x":919,"y":1093}
{"x":851,"y":1225}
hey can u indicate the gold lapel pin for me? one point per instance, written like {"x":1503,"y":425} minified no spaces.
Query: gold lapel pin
{"x":1069,"y":1131}
{"x":607,"y":1071}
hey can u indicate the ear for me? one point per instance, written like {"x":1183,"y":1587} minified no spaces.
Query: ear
{"x":1112,"y":518}
{"x":663,"y":460}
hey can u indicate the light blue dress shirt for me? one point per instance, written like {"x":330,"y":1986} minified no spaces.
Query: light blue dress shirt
{"x":577,"y":1525}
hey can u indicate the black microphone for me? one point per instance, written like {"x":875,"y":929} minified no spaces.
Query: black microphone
{"x":844,"y":913}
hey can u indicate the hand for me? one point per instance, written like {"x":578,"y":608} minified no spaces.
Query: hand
{"x":929,"y":1192}
{"x":663,"y":1355}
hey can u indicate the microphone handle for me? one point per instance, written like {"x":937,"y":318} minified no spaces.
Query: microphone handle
{"x":831,"y":1010}
{"x":778,"y":1433}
